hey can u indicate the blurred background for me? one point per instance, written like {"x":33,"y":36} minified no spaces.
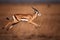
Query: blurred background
{"x":49,"y":21}
{"x":29,"y":1}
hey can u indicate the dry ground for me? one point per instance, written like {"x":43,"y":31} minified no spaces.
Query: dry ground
{"x":49,"y":21}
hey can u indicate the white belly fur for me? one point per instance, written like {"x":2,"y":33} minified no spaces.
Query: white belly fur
{"x":23,"y":19}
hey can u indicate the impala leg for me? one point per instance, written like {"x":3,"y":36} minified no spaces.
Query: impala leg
{"x":34,"y":23}
{"x":10,"y":25}
{"x":14,"y":23}
{"x":7,"y":25}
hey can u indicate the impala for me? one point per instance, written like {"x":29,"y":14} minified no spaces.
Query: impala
{"x":23,"y":17}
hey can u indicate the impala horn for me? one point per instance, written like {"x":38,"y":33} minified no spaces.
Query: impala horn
{"x":36,"y":11}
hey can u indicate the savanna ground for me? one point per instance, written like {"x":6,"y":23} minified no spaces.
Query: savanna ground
{"x":49,"y":22}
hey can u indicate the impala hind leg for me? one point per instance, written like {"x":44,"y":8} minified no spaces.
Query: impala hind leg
{"x":8,"y":28}
{"x":7,"y":25}
{"x":10,"y":25}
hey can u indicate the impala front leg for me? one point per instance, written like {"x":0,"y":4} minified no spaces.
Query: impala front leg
{"x":34,"y":24}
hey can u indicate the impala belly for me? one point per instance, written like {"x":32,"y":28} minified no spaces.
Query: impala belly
{"x":24,"y":19}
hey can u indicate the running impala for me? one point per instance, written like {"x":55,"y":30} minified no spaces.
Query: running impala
{"x":23,"y":17}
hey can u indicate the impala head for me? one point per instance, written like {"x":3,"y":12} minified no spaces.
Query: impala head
{"x":36,"y":11}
